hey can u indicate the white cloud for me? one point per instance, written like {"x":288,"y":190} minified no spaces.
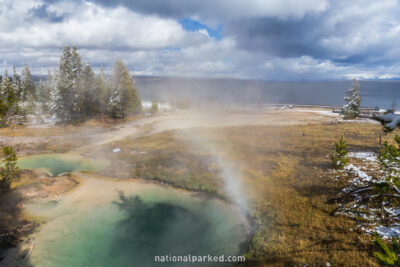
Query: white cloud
{"x":205,"y":32}
{"x":93,"y":26}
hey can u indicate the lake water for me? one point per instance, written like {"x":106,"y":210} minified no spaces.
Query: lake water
{"x":196,"y":90}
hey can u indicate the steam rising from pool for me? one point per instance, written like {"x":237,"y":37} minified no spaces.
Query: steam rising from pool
{"x":231,"y":176}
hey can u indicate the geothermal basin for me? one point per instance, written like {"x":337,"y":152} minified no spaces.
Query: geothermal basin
{"x":127,"y":223}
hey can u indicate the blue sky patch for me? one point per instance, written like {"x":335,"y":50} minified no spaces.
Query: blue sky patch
{"x":193,"y":25}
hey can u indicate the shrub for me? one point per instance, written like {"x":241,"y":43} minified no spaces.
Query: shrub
{"x":387,"y":255}
{"x":154,"y":107}
{"x":339,"y":156}
{"x":389,"y":157}
{"x":9,"y":170}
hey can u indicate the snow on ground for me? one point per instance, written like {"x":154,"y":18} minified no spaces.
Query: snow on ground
{"x":388,"y":232}
{"x":323,"y":112}
{"x":360,"y":175}
{"x":359,"y":120}
{"x":368,"y":156}
{"x":383,"y":231}
{"x":338,"y":117}
{"x":393,"y":211}
{"x":370,"y":161}
{"x":364,"y":173}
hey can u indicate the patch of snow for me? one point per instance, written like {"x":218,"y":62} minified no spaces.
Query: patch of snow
{"x":388,"y":232}
{"x":323,"y":112}
{"x":116,"y":150}
{"x":358,"y":173}
{"x":368,"y":156}
{"x":393,"y":211}
{"x":369,"y":219}
{"x":359,"y":121}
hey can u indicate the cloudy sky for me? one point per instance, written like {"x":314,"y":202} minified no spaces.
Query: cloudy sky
{"x":260,"y":39}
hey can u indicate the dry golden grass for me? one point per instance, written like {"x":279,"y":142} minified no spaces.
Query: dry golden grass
{"x":285,"y":174}
{"x":101,"y":122}
{"x":21,"y":130}
{"x":162,"y":158}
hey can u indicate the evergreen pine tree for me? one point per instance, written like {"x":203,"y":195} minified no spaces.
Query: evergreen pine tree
{"x":339,"y":156}
{"x":62,"y":97}
{"x":102,"y":93}
{"x":78,"y":102}
{"x":3,"y":112}
{"x":67,"y":98}
{"x":8,"y":170}
{"x":114,"y":106}
{"x":54,"y":96}
{"x":389,"y":158}
{"x":28,"y":85}
{"x":27,"y":91}
{"x":387,"y":255}
{"x":88,"y":92}
{"x":19,"y":107}
{"x":351,"y":109}
{"x":124,"y":97}
{"x":44,"y":96}
{"x":2,"y":85}
{"x":16,"y":85}
{"x":9,"y":100}
{"x":3,"y":107}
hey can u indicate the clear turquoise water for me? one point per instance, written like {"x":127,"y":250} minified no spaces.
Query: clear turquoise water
{"x":132,"y":229}
{"x":60,"y":163}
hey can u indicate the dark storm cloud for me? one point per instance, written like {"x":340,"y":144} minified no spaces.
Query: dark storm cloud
{"x":344,"y":34}
{"x":283,"y":38}
{"x":173,"y":8}
{"x":217,"y":10}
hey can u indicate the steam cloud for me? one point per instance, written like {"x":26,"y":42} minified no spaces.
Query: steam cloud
{"x":230,"y":175}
